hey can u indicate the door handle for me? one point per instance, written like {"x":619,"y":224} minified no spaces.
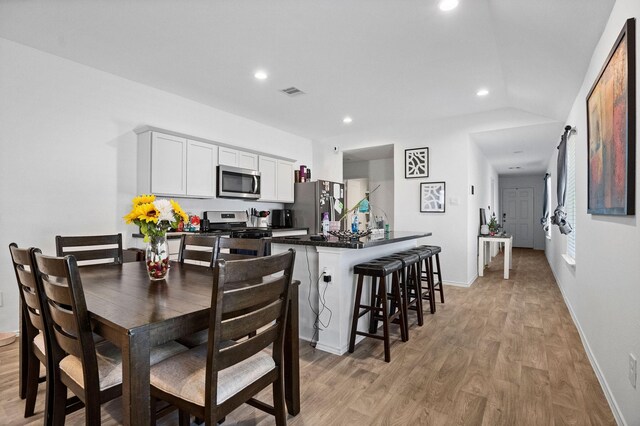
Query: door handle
{"x":254,"y":187}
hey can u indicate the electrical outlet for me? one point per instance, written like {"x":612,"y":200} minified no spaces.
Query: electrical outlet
{"x":326,"y":271}
{"x":633,"y":370}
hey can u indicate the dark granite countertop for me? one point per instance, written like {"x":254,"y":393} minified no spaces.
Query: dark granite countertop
{"x":172,"y":235}
{"x":365,"y":242}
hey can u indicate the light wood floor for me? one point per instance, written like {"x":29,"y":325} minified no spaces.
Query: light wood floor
{"x":504,"y":352}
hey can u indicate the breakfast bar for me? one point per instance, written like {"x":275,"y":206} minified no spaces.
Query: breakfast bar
{"x":327,"y":290}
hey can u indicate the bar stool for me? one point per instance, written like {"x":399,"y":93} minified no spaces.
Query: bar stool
{"x":378,"y":269}
{"x":427,"y":292}
{"x":437,"y":285}
{"x":410,"y":285}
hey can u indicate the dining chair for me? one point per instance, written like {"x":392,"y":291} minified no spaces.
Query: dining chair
{"x":241,"y":248}
{"x":198,"y":248}
{"x":92,"y":371}
{"x":91,"y":249}
{"x":250,"y":248}
{"x":33,"y":328}
{"x":213,"y":379}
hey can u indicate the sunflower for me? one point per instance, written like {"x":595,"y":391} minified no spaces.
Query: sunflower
{"x":147,"y":213}
{"x":133,"y":215}
{"x":143,"y":199}
{"x":178,"y":210}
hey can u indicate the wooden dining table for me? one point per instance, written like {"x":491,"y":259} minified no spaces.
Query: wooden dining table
{"x":135,"y":313}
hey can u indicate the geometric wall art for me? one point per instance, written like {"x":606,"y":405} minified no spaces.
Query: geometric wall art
{"x":432,"y":197}
{"x":416,"y":163}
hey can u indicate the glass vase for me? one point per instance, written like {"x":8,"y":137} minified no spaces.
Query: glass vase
{"x":157,"y":258}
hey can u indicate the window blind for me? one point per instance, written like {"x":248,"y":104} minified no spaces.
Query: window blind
{"x":571,"y":196}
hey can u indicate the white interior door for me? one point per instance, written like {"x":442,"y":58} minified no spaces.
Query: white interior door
{"x":518,"y":215}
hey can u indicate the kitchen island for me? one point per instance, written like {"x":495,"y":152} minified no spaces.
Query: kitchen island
{"x":326,"y":308}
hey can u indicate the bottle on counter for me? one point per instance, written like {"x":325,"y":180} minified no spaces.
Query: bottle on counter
{"x":325,"y":224}
{"x":354,"y":224}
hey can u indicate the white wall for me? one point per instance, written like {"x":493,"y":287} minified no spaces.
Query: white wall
{"x":481,"y":175}
{"x":537,"y":183}
{"x":68,"y":161}
{"x":603,"y":289}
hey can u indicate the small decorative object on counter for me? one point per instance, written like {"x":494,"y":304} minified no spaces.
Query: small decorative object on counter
{"x":354,"y":224}
{"x":484,"y":230}
{"x":348,"y":235}
{"x":155,"y":217}
{"x":303,"y":173}
{"x":325,"y":224}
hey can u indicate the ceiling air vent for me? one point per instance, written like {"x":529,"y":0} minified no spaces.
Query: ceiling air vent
{"x":292,"y":91}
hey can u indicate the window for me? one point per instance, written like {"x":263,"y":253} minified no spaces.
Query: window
{"x":571,"y":197}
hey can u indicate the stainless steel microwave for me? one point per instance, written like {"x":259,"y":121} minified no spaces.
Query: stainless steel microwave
{"x":234,"y":182}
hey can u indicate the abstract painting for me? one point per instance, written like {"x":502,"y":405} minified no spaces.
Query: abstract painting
{"x":416,"y":163}
{"x":432,"y":197}
{"x":611,"y":113}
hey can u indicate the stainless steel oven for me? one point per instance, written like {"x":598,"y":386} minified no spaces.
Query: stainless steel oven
{"x":234,"y":182}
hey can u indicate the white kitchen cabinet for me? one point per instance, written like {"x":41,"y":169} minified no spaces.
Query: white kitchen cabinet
{"x":176,"y":166}
{"x":168,"y":164}
{"x":237,"y":158}
{"x":284,"y":181}
{"x":202,"y":159}
{"x":276,"y":180}
{"x":268,"y":178}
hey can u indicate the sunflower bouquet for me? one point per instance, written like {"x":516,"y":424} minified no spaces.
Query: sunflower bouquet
{"x":155,"y":216}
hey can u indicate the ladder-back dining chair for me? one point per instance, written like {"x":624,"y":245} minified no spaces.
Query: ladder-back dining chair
{"x":33,"y":328}
{"x":91,"y":249}
{"x":198,"y":249}
{"x":213,"y":379}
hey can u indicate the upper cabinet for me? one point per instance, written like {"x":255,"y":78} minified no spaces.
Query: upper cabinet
{"x":202,"y":159}
{"x":237,"y":158}
{"x":276,"y":177}
{"x":173,"y":165}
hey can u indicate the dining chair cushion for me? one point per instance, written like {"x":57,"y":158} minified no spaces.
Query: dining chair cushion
{"x":196,"y":339}
{"x":184,"y":375}
{"x":38,"y":341}
{"x":110,"y":362}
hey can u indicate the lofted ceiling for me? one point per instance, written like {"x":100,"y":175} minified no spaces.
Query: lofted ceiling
{"x":385,"y":63}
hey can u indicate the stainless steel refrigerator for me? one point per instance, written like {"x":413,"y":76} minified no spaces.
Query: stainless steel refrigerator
{"x":312,"y":200}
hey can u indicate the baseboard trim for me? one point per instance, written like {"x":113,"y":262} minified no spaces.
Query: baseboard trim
{"x":613,"y":405}
{"x":461,"y":284}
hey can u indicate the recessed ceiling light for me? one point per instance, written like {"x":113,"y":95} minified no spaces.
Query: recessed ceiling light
{"x":447,"y":5}
{"x":261,"y":75}
{"x":518,"y":152}
{"x":482,"y":92}
{"x":347,"y":120}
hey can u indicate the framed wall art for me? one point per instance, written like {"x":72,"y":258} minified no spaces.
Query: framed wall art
{"x":611,"y":131}
{"x":432,"y":197}
{"x":416,"y":163}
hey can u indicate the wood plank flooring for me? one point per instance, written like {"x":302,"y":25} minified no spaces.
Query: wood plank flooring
{"x":503,"y":352}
